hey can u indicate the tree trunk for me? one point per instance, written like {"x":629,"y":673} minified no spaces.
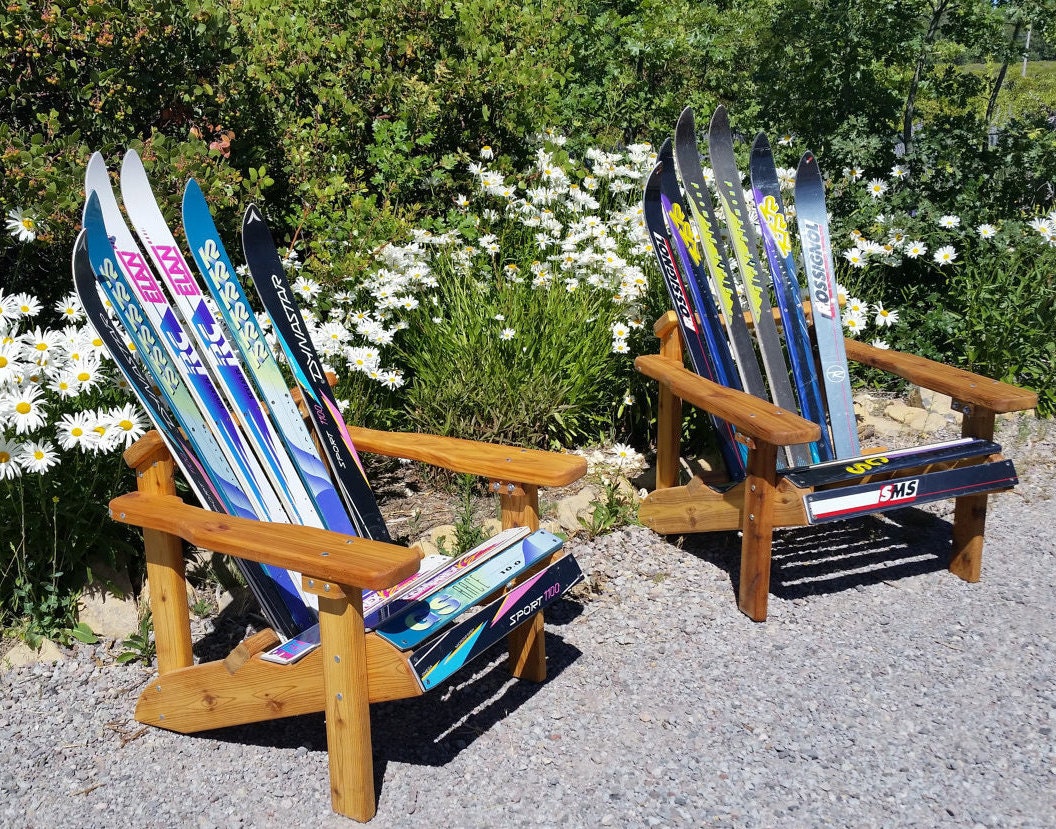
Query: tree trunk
{"x":938,"y":9}
{"x":991,"y":104}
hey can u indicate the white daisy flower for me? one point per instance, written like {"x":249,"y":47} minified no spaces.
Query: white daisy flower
{"x":10,"y":468}
{"x":884,"y":317}
{"x":75,"y":431}
{"x":22,"y":226}
{"x":24,"y":410}
{"x":945,"y":254}
{"x":38,"y":457}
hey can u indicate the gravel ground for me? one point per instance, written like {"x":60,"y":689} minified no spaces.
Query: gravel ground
{"x":882,"y":691}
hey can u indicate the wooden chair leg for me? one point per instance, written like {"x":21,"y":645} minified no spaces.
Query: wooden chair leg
{"x":347,"y":703}
{"x":166,"y":569}
{"x":969,"y":514}
{"x":760,"y":491}
{"x":527,"y":645}
{"x":668,"y":419}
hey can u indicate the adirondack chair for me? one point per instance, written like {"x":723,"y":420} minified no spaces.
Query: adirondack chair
{"x":352,"y":666}
{"x":770,"y":492}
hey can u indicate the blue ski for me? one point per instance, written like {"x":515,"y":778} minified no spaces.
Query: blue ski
{"x":777,"y":241}
{"x":688,"y":321}
{"x":278,"y":594}
{"x":219,"y":273}
{"x":422,"y":619}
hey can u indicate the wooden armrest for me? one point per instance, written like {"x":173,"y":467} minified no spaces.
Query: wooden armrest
{"x":749,"y":415}
{"x":961,"y":385}
{"x":344,"y":559}
{"x":490,"y":460}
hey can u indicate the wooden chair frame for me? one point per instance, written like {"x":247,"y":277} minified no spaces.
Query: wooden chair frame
{"x":764,"y":500}
{"x":352,"y":668}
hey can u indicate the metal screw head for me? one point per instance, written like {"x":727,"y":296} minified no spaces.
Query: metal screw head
{"x":326,"y":588}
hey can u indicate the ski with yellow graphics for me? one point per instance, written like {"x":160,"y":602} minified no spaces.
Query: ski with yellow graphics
{"x":754,"y":279}
{"x":689,"y":322}
{"x":720,"y":272}
{"x":777,"y":242}
{"x":885,"y":463}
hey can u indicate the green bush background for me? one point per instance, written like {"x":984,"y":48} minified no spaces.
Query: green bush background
{"x":353,"y":122}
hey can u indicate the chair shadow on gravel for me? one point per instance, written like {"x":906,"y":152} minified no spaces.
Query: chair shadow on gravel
{"x":429,"y":730}
{"x":830,"y":558}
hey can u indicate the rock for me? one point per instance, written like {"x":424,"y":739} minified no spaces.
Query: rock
{"x":935,"y":403}
{"x":430,"y":542}
{"x":108,"y":615}
{"x":915,"y":419}
{"x":569,"y":510}
{"x":23,"y":654}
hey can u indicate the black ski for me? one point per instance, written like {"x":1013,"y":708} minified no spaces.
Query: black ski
{"x":269,"y":278}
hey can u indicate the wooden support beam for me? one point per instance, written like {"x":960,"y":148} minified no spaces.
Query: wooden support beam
{"x":347,"y":699}
{"x":760,"y":493}
{"x":526,"y":644}
{"x":969,"y":512}
{"x":166,"y":568}
{"x":669,"y":407}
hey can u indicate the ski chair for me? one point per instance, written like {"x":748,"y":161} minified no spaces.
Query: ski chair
{"x":767,"y":486}
{"x":351,"y":657}
{"x":353,"y":667}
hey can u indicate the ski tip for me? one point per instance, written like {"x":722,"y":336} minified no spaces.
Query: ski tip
{"x":96,"y":162}
{"x":94,"y":176}
{"x":652,"y":182}
{"x":761,"y":145}
{"x":666,"y":153}
{"x":686,"y":122}
{"x":192,"y":190}
{"x":808,"y":168}
{"x":132,"y":164}
{"x":252,"y":216}
{"x":93,"y":208}
{"x":720,"y":119}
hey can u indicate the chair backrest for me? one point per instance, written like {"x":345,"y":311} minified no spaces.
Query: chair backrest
{"x":708,"y":266}
{"x":229,"y":421}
